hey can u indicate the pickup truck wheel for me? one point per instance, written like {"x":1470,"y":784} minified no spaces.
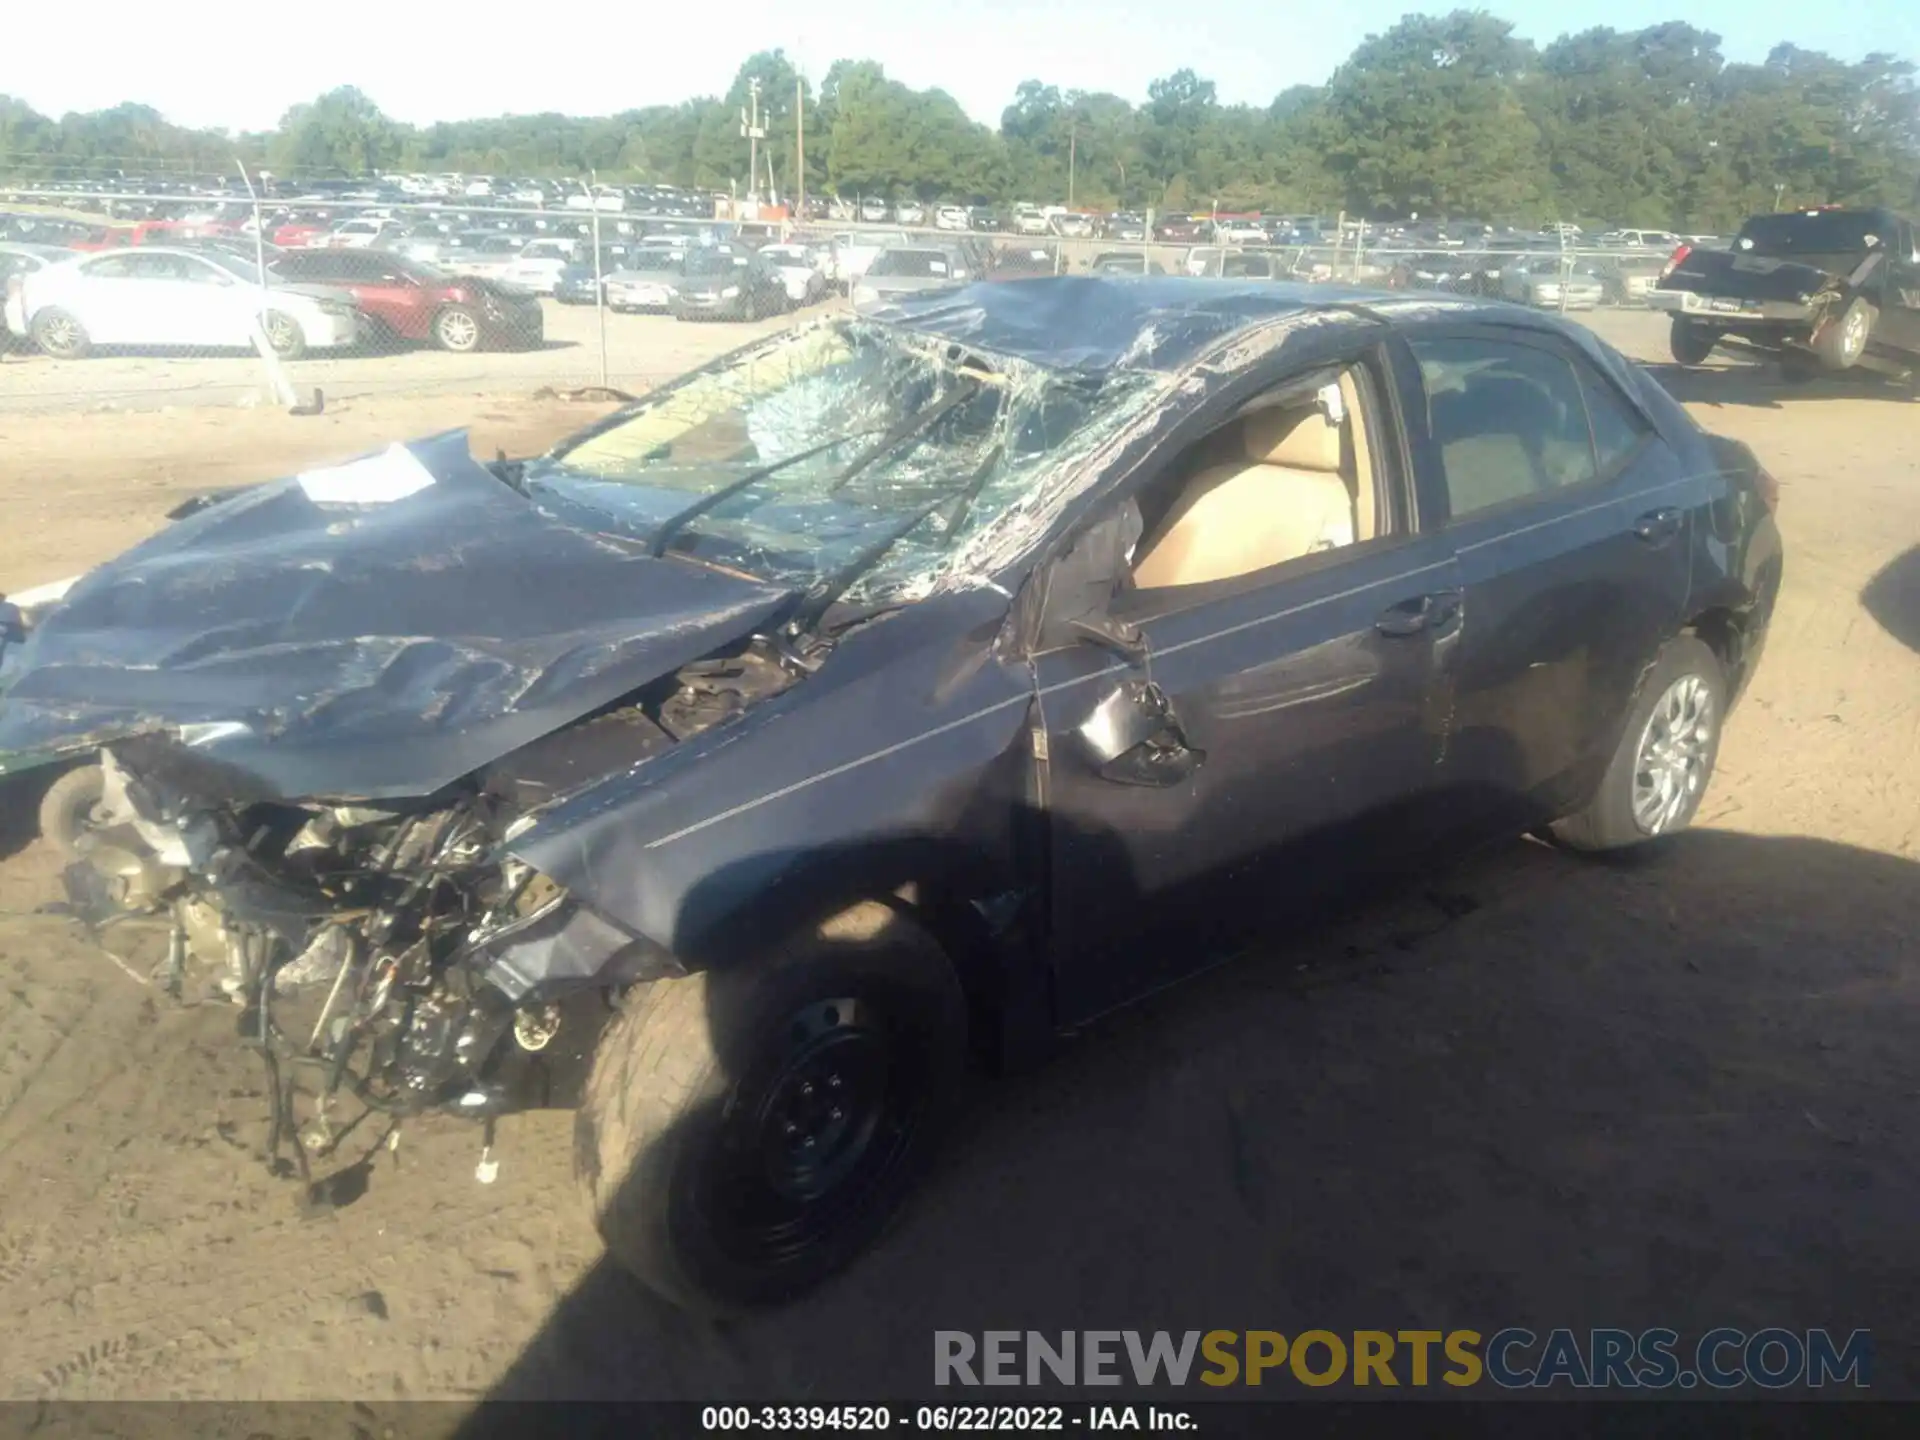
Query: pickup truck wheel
{"x":68,"y":810}
{"x":1843,"y":340}
{"x":1659,"y":774}
{"x":746,"y":1132}
{"x":1691,"y":341}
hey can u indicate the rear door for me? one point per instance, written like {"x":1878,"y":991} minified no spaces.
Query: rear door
{"x":1570,"y":517}
{"x":1900,"y":314}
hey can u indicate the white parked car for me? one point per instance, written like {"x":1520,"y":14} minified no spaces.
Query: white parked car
{"x":358,"y":234}
{"x":538,"y":266}
{"x":950,"y":217}
{"x":1029,"y":220}
{"x":799,"y":269}
{"x":152,"y":295}
{"x":910,"y":212}
{"x":485,"y":253}
{"x":854,"y":251}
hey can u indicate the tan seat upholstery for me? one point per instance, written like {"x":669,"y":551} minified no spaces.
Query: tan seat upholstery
{"x":1356,"y":461}
{"x":1233,"y":519}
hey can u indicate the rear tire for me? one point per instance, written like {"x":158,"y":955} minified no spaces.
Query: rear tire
{"x":747,"y":1132}
{"x":1659,"y":773}
{"x":1691,"y":342}
{"x":1841,"y":342}
{"x":59,"y":334}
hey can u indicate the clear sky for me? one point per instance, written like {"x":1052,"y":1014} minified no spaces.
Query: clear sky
{"x":240,"y":67}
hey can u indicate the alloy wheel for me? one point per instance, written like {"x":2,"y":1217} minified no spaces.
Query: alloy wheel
{"x":1670,"y":765}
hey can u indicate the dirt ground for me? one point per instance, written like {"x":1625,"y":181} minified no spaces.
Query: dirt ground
{"x":1678,"y":1090}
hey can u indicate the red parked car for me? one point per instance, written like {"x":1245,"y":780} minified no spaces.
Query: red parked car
{"x":409,"y":300}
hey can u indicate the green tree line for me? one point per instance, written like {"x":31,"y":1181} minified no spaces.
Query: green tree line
{"x":1442,"y":115}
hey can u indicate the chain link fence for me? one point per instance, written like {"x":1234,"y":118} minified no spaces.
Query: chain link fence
{"x":122,"y":298}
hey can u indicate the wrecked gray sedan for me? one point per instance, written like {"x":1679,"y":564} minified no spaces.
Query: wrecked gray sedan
{"x":903,"y":684}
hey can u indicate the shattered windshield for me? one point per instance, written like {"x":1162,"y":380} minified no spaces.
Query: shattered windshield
{"x":846,"y":443}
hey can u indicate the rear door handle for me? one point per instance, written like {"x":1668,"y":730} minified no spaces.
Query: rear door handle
{"x":1419,"y":614}
{"x":1656,"y":527}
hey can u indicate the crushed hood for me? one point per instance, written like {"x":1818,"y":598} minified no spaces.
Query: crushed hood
{"x":375,"y":630}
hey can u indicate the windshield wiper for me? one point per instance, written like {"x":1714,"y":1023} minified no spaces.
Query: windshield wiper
{"x":911,"y":428}
{"x":682,"y":518}
{"x":821,"y":598}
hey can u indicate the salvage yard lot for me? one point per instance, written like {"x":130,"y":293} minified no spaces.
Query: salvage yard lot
{"x":1537,"y":1091}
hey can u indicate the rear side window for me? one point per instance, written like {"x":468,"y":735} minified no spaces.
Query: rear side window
{"x":1510,"y":421}
{"x":1617,"y":427}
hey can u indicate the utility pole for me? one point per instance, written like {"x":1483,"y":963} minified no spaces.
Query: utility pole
{"x":800,"y":148}
{"x":1073,"y":137}
{"x":751,"y":128}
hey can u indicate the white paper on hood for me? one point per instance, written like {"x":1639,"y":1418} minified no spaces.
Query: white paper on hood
{"x":393,"y":474}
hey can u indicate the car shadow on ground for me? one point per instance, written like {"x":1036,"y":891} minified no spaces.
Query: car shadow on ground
{"x":1892,"y":597}
{"x":1673,"y":1089}
{"x":20,"y":797}
{"x":1761,"y":386}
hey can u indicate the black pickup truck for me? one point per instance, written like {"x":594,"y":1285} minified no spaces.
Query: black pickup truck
{"x":1822,"y":289}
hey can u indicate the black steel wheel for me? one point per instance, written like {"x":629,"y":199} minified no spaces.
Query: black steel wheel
{"x":747,"y":1132}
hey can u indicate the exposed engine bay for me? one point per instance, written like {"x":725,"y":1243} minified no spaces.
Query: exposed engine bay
{"x":370,"y":948}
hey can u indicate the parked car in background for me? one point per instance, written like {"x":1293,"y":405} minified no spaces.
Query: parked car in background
{"x":1549,"y":282}
{"x":402,"y":299}
{"x":727,"y":282}
{"x":1630,"y":279}
{"x":951,"y":217}
{"x":800,"y":270}
{"x":1665,"y":241}
{"x":1124,"y":225}
{"x":1070,"y":225}
{"x":360,"y":233}
{"x":479,"y":252}
{"x":873,"y":210}
{"x":157,"y":296}
{"x":1177,"y":230}
{"x":1240,"y":230}
{"x":539,"y":265}
{"x":1125,"y":262}
{"x":1443,"y":270}
{"x":986,"y":220}
{"x":19,"y":259}
{"x":904,"y":269}
{"x":576,"y":283}
{"x":910,"y":212}
{"x":1016,"y":261}
{"x":854,"y":250}
{"x":645,"y":280}
{"x":1821,"y":289}
{"x":1029,"y":220}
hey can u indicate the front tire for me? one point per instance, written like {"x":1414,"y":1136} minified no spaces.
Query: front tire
{"x":1691,"y":342}
{"x":1659,"y":774}
{"x":457,"y":328}
{"x":746,"y":1132}
{"x":70,"y":808}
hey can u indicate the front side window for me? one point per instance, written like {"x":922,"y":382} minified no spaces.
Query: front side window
{"x":1509,"y":420}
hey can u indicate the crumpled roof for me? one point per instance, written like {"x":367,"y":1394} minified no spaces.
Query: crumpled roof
{"x":1094,"y":323}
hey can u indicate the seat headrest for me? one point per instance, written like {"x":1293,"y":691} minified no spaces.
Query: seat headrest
{"x":1298,"y":438}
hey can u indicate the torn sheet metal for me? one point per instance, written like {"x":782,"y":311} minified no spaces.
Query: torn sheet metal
{"x":1101,"y":323}
{"x":376,"y":648}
